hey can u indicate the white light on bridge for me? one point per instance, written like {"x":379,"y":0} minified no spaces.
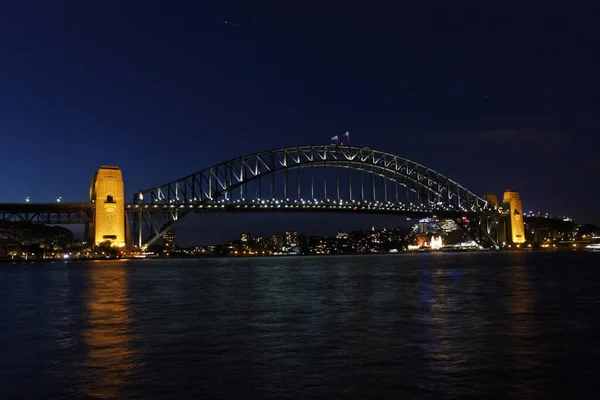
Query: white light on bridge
{"x":58,"y":199}
{"x":27,"y":200}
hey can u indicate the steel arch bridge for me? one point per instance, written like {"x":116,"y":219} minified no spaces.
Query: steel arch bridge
{"x":328,"y":178}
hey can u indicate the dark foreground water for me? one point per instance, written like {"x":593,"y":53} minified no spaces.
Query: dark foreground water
{"x":517,"y":325}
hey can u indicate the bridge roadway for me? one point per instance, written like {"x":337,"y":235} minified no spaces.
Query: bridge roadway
{"x":294,"y":206}
{"x":48,"y":213}
{"x":81,"y":213}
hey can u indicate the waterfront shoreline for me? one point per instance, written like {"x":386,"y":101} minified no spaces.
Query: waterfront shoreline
{"x":182,"y":257}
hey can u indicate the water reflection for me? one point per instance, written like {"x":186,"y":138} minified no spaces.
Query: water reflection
{"x":109,"y":360}
{"x":445,"y":309}
{"x":453,"y":336}
{"x":521,"y":330}
{"x":485,"y":325}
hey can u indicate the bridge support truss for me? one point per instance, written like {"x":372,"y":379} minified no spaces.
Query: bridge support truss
{"x":50,"y":214}
{"x":316,"y":178}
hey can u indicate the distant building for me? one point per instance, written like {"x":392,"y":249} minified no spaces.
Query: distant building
{"x":426,"y":225}
{"x":291,"y":239}
{"x":448,"y":226}
{"x":277,"y":242}
{"x":420,"y":241}
{"x":436,"y":243}
{"x":245,"y":239}
{"x":540,"y":229}
{"x":169,"y":239}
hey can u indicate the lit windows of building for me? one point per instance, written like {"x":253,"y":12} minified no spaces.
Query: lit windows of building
{"x":245,"y":239}
{"x":291,"y":239}
{"x":426,"y":225}
{"x":277,"y":242}
{"x":448,"y":225}
{"x":169,"y":239}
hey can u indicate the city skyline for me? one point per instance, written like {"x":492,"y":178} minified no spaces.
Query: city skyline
{"x":540,"y":233}
{"x":151,"y":96}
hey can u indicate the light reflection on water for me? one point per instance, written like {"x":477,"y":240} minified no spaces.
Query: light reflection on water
{"x":446,"y":317}
{"x":404,"y":326}
{"x":109,"y":354}
{"x":521,"y":329}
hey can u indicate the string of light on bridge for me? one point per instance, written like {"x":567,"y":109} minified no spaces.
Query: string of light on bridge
{"x":302,"y":203}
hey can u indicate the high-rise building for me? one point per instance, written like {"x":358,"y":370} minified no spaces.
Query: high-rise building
{"x":515,"y":226}
{"x":277,"y":242}
{"x":291,"y":239}
{"x":169,"y":239}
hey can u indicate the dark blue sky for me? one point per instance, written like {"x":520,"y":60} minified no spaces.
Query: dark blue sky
{"x":495,"y":98}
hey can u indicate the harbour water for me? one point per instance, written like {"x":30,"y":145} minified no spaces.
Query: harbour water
{"x":493,"y":325}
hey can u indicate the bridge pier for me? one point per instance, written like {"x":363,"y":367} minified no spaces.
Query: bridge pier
{"x":514,"y":217}
{"x":508,"y":227}
{"x":109,"y":222}
{"x":140,"y":217}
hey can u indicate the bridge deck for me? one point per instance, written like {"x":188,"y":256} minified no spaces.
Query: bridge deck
{"x":182,"y":209}
{"x":45,"y":207}
{"x":48,"y":213}
{"x":81,"y":213}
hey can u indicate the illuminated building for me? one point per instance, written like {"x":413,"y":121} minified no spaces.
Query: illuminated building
{"x":245,"y":239}
{"x":436,"y":243}
{"x":515,"y":226}
{"x":426,"y":225}
{"x":277,"y":242}
{"x":291,"y":239}
{"x":169,"y":239}
{"x":109,"y":222}
{"x":448,"y":225}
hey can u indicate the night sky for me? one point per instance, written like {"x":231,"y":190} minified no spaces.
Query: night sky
{"x":495,"y":98}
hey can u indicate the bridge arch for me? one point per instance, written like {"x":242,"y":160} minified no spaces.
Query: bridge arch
{"x":218,"y":181}
{"x":218,"y":185}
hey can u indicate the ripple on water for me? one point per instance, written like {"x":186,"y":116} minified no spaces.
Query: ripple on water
{"x":420,"y":326}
